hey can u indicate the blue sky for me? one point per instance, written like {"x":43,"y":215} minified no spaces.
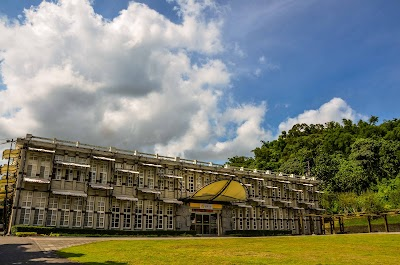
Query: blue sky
{"x":287,"y":61}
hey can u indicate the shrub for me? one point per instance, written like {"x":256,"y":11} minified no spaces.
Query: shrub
{"x":250,"y":233}
{"x":24,"y":234}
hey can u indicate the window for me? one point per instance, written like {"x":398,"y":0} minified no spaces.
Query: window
{"x":80,"y":176}
{"x":39,"y":216}
{"x":89,"y":211}
{"x":44,"y":171}
{"x":150,"y":179}
{"x":170,"y":216}
{"x":115,"y":214}
{"x":161,"y":184}
{"x":26,"y":208}
{"x":44,"y":167}
{"x":183,"y":185}
{"x":69,"y":175}
{"x":284,"y":191}
{"x":93,"y":171}
{"x":240,"y":219}
{"x":101,"y":209}
{"x":251,"y":190}
{"x":141,"y":180}
{"x":127,"y":214}
{"x":25,"y":216}
{"x":254,"y":219}
{"x":259,"y":189}
{"x":261,"y":222}
{"x":101,"y":204}
{"x":139,"y":214}
{"x":160,"y":216}
{"x":31,"y":171}
{"x":279,"y":191}
{"x":171,"y":185}
{"x":58,"y":173}
{"x":118,"y":165}
{"x":71,"y":159}
{"x":103,"y":174}
{"x":149,"y":215}
{"x":27,"y":199}
{"x":59,"y":158}
{"x":52,"y":212}
{"x":247,"y":219}
{"x":41,"y":200}
{"x":78,"y":206}
{"x":65,"y":210}
{"x":191,"y":183}
{"x":118,"y":179}
{"x":130,"y":180}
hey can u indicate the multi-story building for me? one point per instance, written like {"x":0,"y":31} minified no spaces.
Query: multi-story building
{"x":69,"y":184}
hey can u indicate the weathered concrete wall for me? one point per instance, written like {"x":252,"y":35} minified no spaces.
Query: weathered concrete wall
{"x":226,"y":216}
{"x":183,"y":218}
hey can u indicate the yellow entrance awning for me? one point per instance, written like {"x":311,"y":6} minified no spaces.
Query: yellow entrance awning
{"x":221,"y":191}
{"x":10,"y":153}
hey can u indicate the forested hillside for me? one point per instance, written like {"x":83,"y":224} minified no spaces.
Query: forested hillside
{"x":359,"y":163}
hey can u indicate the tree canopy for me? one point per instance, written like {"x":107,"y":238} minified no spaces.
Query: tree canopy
{"x":355,"y":158}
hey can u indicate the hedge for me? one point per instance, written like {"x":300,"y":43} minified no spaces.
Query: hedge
{"x":95,"y":232}
{"x":25,"y":234}
{"x":251,"y":233}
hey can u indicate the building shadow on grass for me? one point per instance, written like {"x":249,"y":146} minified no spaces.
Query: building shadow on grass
{"x":25,"y":251}
{"x":77,"y":255}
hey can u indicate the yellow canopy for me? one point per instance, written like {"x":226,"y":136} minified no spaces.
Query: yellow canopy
{"x":11,"y":169}
{"x":10,"y":153}
{"x":221,"y":191}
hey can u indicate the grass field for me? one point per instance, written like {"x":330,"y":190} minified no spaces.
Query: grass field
{"x":337,"y":249}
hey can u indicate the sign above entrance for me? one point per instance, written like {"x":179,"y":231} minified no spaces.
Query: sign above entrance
{"x":206,"y":206}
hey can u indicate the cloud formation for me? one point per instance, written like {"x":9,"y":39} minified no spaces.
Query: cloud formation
{"x":138,"y":81}
{"x":334,"y":110}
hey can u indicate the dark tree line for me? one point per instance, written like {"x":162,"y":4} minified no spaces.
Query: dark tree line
{"x":352,"y":159}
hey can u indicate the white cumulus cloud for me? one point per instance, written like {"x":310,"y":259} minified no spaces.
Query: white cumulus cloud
{"x":334,"y":110}
{"x":129,"y":82}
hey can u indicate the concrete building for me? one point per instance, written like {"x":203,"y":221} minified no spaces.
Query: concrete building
{"x":69,"y":184}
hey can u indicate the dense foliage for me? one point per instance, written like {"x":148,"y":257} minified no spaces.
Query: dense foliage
{"x":359,"y":163}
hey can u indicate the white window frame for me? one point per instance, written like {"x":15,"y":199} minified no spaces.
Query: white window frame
{"x":170,"y":216}
{"x":141,"y":180}
{"x":129,"y":180}
{"x":160,"y":216}
{"x":127,"y":218}
{"x":149,"y":215}
{"x":139,"y":215}
{"x":150,"y":179}
{"x":116,"y":214}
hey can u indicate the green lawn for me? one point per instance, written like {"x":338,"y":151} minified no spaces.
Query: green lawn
{"x":336,"y":249}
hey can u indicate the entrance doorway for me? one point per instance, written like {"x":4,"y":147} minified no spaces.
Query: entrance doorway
{"x":204,"y":223}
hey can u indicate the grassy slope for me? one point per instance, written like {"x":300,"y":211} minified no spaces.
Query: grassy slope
{"x":339,"y":249}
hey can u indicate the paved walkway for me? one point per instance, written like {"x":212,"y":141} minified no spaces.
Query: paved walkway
{"x":23,"y":250}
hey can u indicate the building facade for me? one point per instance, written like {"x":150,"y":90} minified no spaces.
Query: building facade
{"x":73,"y":185}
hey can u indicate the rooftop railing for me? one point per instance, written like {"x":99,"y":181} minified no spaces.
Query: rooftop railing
{"x":226,"y":167}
